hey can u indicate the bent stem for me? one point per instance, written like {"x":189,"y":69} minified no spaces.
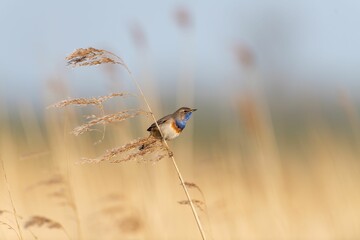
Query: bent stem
{"x":196,"y":216}
{"x":10,"y":227}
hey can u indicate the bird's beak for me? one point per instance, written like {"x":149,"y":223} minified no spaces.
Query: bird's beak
{"x":193,"y":110}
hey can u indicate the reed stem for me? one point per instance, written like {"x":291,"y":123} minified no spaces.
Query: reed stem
{"x":11,"y":200}
{"x":196,"y":216}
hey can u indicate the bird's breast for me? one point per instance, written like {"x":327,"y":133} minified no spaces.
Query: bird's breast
{"x":170,"y":130}
{"x":176,"y":127}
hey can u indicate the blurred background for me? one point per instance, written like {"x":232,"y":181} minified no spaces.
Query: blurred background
{"x":274,"y":145}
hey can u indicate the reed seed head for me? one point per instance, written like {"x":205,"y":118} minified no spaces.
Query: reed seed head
{"x":92,"y":56}
{"x":87,"y":101}
{"x":40,"y":221}
{"x":106,"y":119}
{"x":154,"y":151}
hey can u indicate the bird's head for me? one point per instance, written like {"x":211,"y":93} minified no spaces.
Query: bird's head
{"x":183,"y":114}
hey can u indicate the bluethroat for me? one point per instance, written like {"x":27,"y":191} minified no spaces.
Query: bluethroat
{"x":171,"y":125}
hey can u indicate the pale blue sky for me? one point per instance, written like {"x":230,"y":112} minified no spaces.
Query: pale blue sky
{"x":311,"y":42}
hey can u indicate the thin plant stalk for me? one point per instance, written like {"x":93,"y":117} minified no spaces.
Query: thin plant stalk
{"x":71,"y":193}
{"x":11,"y":200}
{"x":196,"y":216}
{"x":10,"y":227}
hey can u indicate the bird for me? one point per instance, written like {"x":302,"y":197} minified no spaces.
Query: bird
{"x":171,"y":125}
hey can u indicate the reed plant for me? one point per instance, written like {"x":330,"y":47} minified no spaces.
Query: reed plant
{"x":156,"y":149}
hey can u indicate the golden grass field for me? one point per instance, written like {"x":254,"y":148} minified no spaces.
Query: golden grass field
{"x":254,"y":183}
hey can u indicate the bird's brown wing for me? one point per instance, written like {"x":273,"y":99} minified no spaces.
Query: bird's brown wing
{"x":160,"y":121}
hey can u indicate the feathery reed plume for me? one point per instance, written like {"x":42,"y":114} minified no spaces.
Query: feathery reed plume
{"x":40,"y":221}
{"x":193,"y":185}
{"x":152,"y":146}
{"x":87,"y":101}
{"x":19,"y":233}
{"x":91,"y":56}
{"x":90,"y":101}
{"x":152,"y":153}
{"x":110,"y":118}
{"x":199,"y":204}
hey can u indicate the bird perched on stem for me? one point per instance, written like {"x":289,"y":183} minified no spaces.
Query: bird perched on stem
{"x":171,"y":125}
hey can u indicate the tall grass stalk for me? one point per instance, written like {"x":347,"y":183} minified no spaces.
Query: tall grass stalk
{"x":11,"y":200}
{"x":71,"y":189}
{"x":196,"y":216}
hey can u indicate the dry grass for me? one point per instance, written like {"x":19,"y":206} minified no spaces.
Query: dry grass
{"x":8,"y":226}
{"x":195,"y":186}
{"x":198,"y":203}
{"x":40,"y":221}
{"x":88,"y":101}
{"x":315,"y":196}
{"x":107,"y":119}
{"x":18,"y":229}
{"x":92,"y":56}
{"x":154,"y":150}
{"x":257,"y":185}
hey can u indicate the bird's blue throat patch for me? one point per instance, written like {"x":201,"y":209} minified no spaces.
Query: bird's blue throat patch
{"x":187,"y":116}
{"x":182,"y":123}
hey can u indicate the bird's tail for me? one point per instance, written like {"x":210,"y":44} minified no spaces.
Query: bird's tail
{"x":142,"y":147}
{"x":149,"y":142}
{"x":145,"y":145}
